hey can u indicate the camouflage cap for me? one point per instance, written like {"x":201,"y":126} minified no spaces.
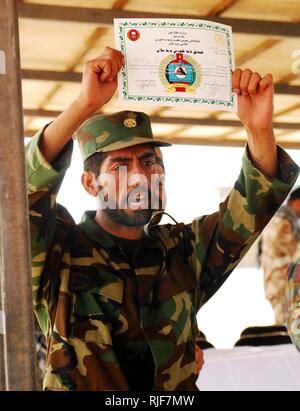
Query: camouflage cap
{"x":103,"y":133}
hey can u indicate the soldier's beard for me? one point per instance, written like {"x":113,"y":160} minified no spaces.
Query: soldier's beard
{"x":123,"y":214}
{"x":129,"y":218}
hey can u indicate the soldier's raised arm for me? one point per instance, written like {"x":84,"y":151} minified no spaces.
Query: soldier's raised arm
{"x":255,"y":110}
{"x":220,"y":240}
{"x":48,"y":156}
{"x":99,"y":83}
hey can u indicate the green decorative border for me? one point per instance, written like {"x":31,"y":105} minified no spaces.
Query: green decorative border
{"x":203,"y":25}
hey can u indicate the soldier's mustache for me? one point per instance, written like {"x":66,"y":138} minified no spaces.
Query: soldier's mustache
{"x":136,"y":195}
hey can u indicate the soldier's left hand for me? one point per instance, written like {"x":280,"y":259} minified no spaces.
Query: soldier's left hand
{"x":255,"y":99}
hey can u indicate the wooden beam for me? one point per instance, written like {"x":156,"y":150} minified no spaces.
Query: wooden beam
{"x":158,"y":111}
{"x":287,"y":89}
{"x":288,"y":78}
{"x":76,"y":58}
{"x":175,"y":120}
{"x":261,"y":48}
{"x":105,"y":17}
{"x":119,"y":4}
{"x":207,"y":141}
{"x":47,"y":75}
{"x":67,"y":76}
{"x":279,"y":133}
{"x":220,"y":7}
{"x":215,"y":122}
{"x":287,"y":110}
{"x":178,"y":130}
{"x":224,"y":143}
{"x":40,"y":113}
{"x":71,"y":64}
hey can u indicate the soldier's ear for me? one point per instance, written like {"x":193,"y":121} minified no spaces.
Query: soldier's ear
{"x":89,"y":182}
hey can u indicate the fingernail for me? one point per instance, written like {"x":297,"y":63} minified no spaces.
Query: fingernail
{"x":237,"y":91}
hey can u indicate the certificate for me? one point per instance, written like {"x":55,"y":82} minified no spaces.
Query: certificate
{"x":172,"y":62}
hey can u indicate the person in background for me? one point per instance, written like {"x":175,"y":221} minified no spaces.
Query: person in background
{"x":293,"y":300}
{"x":279,"y":243}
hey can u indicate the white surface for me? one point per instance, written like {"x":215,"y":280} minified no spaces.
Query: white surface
{"x":238,"y":304}
{"x":204,"y":44}
{"x":2,"y":62}
{"x":2,"y":323}
{"x":265,"y":368}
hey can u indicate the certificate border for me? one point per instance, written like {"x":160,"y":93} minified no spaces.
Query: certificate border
{"x":200,"y":24}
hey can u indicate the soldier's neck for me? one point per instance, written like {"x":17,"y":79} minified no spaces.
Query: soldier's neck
{"x":118,"y":230}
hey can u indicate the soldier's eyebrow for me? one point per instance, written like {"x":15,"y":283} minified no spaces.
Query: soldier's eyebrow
{"x":121,"y":159}
{"x":160,"y":162}
{"x":124,"y":159}
{"x":146,"y":155}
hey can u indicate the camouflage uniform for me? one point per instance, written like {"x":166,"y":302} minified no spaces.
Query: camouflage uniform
{"x":99,"y":311}
{"x":279,"y":243}
{"x":41,"y":355}
{"x":293,"y":300}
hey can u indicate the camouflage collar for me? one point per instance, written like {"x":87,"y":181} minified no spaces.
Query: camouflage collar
{"x":102,"y":237}
{"x":94,"y":231}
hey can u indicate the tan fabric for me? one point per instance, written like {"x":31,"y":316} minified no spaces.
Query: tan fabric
{"x":279,"y":244}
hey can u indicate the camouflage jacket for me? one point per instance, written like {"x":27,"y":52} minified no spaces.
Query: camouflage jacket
{"x":279,"y":244}
{"x":84,"y":287}
{"x":293,"y":300}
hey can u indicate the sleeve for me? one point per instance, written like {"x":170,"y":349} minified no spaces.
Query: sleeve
{"x":43,"y":182}
{"x":220,"y":240}
{"x":293,"y":301}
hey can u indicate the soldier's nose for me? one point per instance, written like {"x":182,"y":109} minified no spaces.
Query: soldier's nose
{"x":137,"y":179}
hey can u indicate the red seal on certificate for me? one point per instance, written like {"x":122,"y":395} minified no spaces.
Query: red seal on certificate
{"x":133,"y":34}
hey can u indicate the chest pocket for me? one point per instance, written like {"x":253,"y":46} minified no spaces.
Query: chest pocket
{"x":173,"y":298}
{"x":97,"y":295}
{"x":177,"y":277}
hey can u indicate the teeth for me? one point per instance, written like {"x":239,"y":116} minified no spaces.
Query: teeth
{"x":137,"y":203}
{"x":138,"y":199}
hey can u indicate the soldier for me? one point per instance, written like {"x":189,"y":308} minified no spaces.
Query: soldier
{"x":279,"y":243}
{"x":117,"y":295}
{"x":293,"y":300}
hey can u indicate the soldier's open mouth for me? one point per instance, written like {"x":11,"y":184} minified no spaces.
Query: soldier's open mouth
{"x":140,"y":201}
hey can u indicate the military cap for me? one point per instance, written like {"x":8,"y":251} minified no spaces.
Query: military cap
{"x":103,"y":133}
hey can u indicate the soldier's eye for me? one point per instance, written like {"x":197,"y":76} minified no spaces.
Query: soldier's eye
{"x":149,"y":163}
{"x":119,"y":167}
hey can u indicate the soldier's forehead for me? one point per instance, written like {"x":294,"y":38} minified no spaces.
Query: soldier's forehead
{"x":158,"y":152}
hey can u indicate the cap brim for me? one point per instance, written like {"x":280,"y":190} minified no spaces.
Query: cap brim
{"x":134,"y":142}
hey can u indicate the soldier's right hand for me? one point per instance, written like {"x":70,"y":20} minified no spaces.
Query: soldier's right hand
{"x":99,"y":80}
